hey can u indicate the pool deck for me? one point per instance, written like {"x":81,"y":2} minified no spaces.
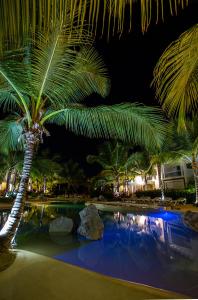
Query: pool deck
{"x":111,"y":205}
{"x":36,"y":277}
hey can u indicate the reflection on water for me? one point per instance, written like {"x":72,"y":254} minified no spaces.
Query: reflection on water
{"x":153,"y":248}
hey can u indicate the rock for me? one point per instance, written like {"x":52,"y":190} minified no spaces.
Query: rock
{"x":191,"y":219}
{"x":91,"y":225}
{"x":61,"y":224}
{"x":101,"y":198}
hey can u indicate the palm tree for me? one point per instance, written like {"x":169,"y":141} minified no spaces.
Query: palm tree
{"x":72,"y":175}
{"x":47,"y":84}
{"x":160,"y":157}
{"x":118,"y":164}
{"x":168,"y":153}
{"x":20,"y":17}
{"x":112,"y":158}
{"x":45,"y":169}
{"x":188,"y":141}
{"x":10,"y":164}
{"x":176,"y":76}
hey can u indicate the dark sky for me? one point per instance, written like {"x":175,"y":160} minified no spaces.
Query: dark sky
{"x":130,"y":61}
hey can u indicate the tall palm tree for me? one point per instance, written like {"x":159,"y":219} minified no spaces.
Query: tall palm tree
{"x":176,"y":76}
{"x":163,"y":156}
{"x":47,"y":83}
{"x":170,"y":152}
{"x":20,"y":17}
{"x":188,"y":140}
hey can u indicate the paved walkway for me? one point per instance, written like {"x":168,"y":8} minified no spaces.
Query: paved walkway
{"x":36,"y":277}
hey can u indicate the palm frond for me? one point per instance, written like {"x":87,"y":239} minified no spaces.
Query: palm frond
{"x":51,"y":63}
{"x":14,"y":85}
{"x":176,"y":75}
{"x":130,"y":122}
{"x":8,"y":100}
{"x":30,"y":16}
{"x":11,"y":135}
{"x":86,"y":76}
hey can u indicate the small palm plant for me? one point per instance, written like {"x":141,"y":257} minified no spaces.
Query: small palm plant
{"x":47,"y":83}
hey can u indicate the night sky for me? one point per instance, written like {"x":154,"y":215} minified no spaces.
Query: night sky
{"x":130,"y":61}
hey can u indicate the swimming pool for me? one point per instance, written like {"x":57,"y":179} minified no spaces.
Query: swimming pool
{"x":149,"y":247}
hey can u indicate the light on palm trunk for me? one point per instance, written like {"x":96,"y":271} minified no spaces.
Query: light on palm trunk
{"x":9,"y":229}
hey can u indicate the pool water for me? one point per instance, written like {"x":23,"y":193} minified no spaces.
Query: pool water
{"x":153,"y":247}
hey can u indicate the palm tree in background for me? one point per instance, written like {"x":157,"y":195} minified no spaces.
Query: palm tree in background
{"x":112,"y":157}
{"x":44,"y":172}
{"x":170,"y":153}
{"x":19,"y":18}
{"x":188,"y":141}
{"x":10,"y":169}
{"x":176,"y":77}
{"x":118,"y":164}
{"x":46,"y":83}
{"x":72,"y":175}
{"x":176,"y":83}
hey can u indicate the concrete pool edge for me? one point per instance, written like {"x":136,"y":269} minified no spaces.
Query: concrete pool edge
{"x":41,"y":277}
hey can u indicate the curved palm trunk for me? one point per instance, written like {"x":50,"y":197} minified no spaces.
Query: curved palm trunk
{"x":9,"y":229}
{"x":161,"y":186}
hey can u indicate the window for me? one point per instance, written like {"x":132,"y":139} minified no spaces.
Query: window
{"x":172,"y":171}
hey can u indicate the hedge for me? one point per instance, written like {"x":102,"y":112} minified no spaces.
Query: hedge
{"x":174,"y":194}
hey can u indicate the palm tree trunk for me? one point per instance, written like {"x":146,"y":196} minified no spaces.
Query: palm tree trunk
{"x":161,"y":186}
{"x":9,"y":229}
{"x":195,"y":172}
{"x":118,"y":184}
{"x":44,"y":184}
{"x":196,"y":188}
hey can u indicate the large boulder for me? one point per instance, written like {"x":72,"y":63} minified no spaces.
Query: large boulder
{"x":91,"y":225}
{"x":61,"y":225}
{"x":191,"y":219}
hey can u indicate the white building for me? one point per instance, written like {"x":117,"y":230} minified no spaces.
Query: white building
{"x":173,"y":176}
{"x":177,"y":176}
